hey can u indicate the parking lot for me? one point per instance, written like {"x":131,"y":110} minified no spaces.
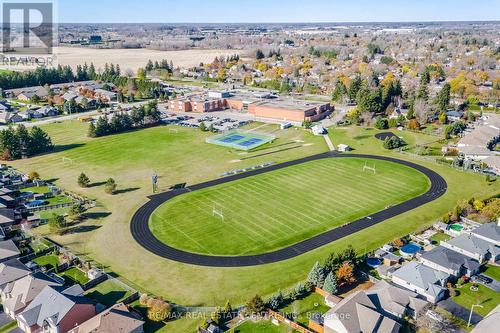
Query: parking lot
{"x":218,"y":123}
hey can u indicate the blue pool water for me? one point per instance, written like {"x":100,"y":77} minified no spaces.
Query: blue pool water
{"x":35,"y":203}
{"x":410,"y":249}
{"x":373,"y":262}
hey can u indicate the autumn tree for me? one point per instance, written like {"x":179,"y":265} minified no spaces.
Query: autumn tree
{"x":33,"y":175}
{"x":158,"y":309}
{"x":345,"y":274}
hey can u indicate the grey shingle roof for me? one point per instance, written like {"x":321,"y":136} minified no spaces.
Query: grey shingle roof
{"x":474,"y":244}
{"x":488,"y":230}
{"x":421,"y":276}
{"x":450,"y":259}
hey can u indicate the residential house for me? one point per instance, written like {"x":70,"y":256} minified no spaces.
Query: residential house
{"x":19,"y":294}
{"x":4,"y":106}
{"x":12,"y":270}
{"x":358,"y":313}
{"x":56,"y":309}
{"x":395,"y":301}
{"x":106,"y":96}
{"x":8,"y":250}
{"x":450,"y":262}
{"x":398,"y":112}
{"x":473,"y":247}
{"x":454,"y":115}
{"x":117,"y":319}
{"x":9,"y":117}
{"x":48,"y":111}
{"x":7,"y":216}
{"x":422,"y":279}
{"x":69,"y":95}
{"x":26,"y":96}
{"x":489,"y":232}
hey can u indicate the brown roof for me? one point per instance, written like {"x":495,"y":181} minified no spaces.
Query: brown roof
{"x":117,"y":319}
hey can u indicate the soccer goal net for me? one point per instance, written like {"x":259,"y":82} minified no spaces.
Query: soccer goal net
{"x":217,"y":212}
{"x":370,"y":168}
{"x":67,"y":160}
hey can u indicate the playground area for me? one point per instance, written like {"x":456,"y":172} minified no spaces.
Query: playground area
{"x":240,"y":139}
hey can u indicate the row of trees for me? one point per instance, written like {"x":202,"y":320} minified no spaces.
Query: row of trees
{"x":337,"y":270}
{"x":109,"y":187}
{"x":142,"y":116}
{"x":21,"y":142}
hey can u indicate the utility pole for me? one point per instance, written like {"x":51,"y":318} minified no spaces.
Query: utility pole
{"x":471,"y":309}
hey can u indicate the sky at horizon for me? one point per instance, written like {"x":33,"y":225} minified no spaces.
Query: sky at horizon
{"x":269,"y":11}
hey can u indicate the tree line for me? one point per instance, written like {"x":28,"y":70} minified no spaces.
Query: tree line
{"x":142,"y":116}
{"x":21,"y":142}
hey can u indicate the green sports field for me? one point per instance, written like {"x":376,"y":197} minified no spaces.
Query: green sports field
{"x":272,"y":210}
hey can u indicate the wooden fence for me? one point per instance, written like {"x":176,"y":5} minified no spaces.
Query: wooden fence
{"x":288,"y":322}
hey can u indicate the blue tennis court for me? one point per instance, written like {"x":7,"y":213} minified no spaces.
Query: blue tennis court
{"x":240,"y":140}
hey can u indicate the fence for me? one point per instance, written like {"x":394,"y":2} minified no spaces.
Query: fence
{"x":94,"y":282}
{"x":49,"y":207}
{"x":289,"y":322}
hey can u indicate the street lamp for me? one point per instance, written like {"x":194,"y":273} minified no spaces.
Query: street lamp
{"x":471,"y":309}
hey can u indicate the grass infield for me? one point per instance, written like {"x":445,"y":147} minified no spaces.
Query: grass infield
{"x":269,"y":211}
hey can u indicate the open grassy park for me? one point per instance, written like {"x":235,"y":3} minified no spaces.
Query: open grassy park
{"x":269,"y":211}
{"x":184,"y":157}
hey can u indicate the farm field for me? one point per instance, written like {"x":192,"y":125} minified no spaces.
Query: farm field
{"x":132,"y":59}
{"x":269,"y":211}
{"x":184,"y":157}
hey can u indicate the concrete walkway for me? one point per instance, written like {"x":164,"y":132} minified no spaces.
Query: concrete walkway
{"x":329,"y":142}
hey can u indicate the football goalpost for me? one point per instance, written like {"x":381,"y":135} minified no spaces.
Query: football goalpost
{"x":173,"y":130}
{"x":366,"y":167}
{"x":67,"y":160}
{"x":217,"y":212}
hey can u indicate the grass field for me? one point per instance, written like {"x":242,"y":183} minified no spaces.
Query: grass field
{"x":303,"y":309}
{"x":73,"y":276}
{"x":130,"y":158}
{"x":108,"y":293}
{"x":262,"y":326}
{"x":279,"y":208}
{"x":483,"y":296}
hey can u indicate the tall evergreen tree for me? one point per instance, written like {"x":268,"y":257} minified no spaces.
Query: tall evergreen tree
{"x":330,"y":285}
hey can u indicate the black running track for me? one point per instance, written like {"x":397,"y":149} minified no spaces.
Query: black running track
{"x":143,"y":235}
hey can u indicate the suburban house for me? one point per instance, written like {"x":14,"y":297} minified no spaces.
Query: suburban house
{"x":12,"y":270}
{"x":48,"y":111}
{"x":56,"y":310}
{"x":358,"y":313}
{"x":422,"y":279}
{"x":395,"y":301}
{"x":450,"y":262}
{"x":9,"y":117}
{"x":117,"y":319}
{"x":489,"y":232}
{"x":105,"y":95}
{"x":398,"y":112}
{"x":454,"y":115}
{"x":474,"y":247}
{"x":8,"y":250}
{"x":7,"y":216}
{"x":4,"y":106}
{"x":19,"y":294}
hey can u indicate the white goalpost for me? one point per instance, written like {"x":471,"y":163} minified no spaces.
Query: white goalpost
{"x":67,"y":159}
{"x":217,"y":212}
{"x":173,"y":130}
{"x":366,"y":167}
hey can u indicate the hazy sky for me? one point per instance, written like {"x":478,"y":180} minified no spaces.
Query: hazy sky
{"x":208,"y":11}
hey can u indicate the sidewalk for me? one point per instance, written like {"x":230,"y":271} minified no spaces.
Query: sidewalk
{"x":329,"y":142}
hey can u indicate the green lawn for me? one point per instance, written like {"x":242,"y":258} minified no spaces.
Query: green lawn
{"x":8,"y":327}
{"x":74,"y":275}
{"x":438,"y":237}
{"x":108,"y":293}
{"x":483,"y":296}
{"x":50,"y":261}
{"x":280,"y":208}
{"x":36,"y":189}
{"x":303,"y":309}
{"x":262,"y":326}
{"x":130,"y":158}
{"x":493,"y":272}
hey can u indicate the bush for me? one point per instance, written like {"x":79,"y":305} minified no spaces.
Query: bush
{"x":381,"y":123}
{"x":110,"y":186}
{"x":83,"y":180}
{"x":255,"y":305}
{"x":393,"y":142}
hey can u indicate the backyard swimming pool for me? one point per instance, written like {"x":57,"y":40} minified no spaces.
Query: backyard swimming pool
{"x":410,"y":249}
{"x":35,"y":203}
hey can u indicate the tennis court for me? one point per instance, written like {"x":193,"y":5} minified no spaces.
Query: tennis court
{"x":240,"y":140}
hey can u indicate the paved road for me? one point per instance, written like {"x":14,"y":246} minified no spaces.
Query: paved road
{"x":139,"y":226}
{"x":459,"y":311}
